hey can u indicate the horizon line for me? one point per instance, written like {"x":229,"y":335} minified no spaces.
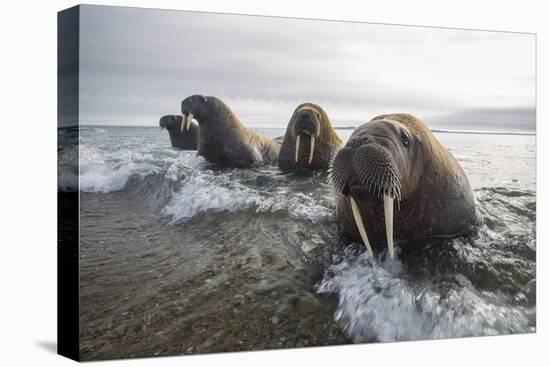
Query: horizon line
{"x":344,"y":127}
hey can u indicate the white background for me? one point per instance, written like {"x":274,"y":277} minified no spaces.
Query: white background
{"x":28,"y":183}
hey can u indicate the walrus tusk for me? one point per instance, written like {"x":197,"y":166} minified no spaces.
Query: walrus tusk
{"x":297,"y":149}
{"x":161,"y":128}
{"x":189,"y":121}
{"x":359,"y":223}
{"x":388,"y":217}
{"x":311,"y":146}
{"x":183,"y":122}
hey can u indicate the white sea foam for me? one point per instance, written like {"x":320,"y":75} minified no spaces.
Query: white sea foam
{"x":376,"y":303}
{"x":102,"y":171}
{"x":206,"y":190}
{"x":101,"y":177}
{"x":105,"y":170}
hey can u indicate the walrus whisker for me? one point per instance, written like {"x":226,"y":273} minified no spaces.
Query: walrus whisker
{"x":374,"y":178}
{"x":385,"y":183}
{"x":398,"y":204}
{"x":297,"y":149}
{"x":360,"y":225}
{"x":336,"y":178}
{"x":395,"y":190}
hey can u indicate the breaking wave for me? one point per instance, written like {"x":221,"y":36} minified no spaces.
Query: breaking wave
{"x":195,"y":186}
{"x":415,"y":298}
{"x":205,"y":192}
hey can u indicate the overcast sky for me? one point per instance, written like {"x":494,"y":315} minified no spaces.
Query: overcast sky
{"x":138,"y":64}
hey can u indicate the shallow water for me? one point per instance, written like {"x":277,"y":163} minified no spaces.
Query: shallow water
{"x":180,"y":256}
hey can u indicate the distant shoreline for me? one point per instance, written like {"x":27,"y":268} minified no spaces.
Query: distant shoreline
{"x":482,"y":132}
{"x":444,"y":131}
{"x":448,"y":131}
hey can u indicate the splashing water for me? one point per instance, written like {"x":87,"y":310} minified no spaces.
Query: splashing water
{"x":390,"y":301}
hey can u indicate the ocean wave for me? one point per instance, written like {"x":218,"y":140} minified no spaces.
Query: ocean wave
{"x":207,"y":190}
{"x":383,"y":300}
{"x":104,"y":171}
{"x":105,"y":178}
{"x":198,"y":189}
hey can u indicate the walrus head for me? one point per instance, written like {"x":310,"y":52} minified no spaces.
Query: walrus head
{"x":169,"y":122}
{"x":310,"y":141}
{"x":193,"y":107}
{"x":176,"y":123}
{"x":205,"y":109}
{"x":307,"y":122}
{"x":200,"y":108}
{"x":381,"y":164}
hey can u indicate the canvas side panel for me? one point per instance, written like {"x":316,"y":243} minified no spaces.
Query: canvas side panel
{"x":67,"y":179}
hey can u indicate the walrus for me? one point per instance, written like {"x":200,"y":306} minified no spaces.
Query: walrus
{"x":395,"y":161}
{"x":184,"y":133}
{"x":310,"y":141}
{"x":223,"y":139}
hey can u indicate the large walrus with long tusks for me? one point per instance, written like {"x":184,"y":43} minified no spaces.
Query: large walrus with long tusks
{"x":183,"y":131}
{"x":310,"y":141}
{"x":394,"y":178}
{"x":223,"y":138}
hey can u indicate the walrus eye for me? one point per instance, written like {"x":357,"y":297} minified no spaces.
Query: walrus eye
{"x":405,"y":139}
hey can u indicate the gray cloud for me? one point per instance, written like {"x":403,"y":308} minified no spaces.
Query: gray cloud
{"x":138,"y":64}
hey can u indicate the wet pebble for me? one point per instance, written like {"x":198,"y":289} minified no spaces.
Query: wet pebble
{"x":251,"y":295}
{"x":208,"y":343}
{"x":305,"y":306}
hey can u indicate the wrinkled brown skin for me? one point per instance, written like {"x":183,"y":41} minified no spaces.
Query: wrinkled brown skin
{"x":223,"y":139}
{"x":437,"y":200}
{"x":186,"y":139}
{"x":309,"y":119}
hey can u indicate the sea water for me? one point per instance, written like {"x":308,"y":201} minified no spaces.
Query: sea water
{"x":180,"y":256}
